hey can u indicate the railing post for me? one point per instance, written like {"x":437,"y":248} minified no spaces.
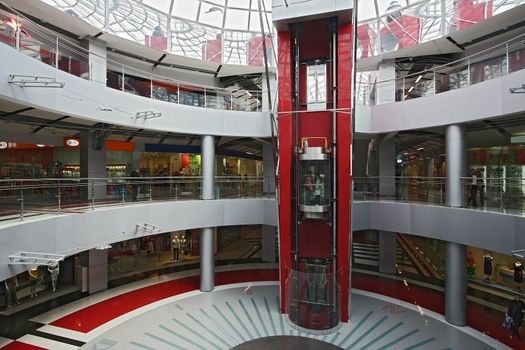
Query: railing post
{"x":178,"y":93}
{"x":403,"y":94}
{"x":231,"y":100}
{"x":122,"y":192}
{"x":507,"y":58}
{"x":123,"y":79}
{"x":150,"y":191}
{"x":17,"y":34}
{"x":151,"y":86}
{"x":56,"y":54}
{"x":468,"y":71}
{"x":435,"y":87}
{"x":92,"y":194}
{"x":205,"y":99}
{"x":21,"y":199}
{"x":501,"y":197}
{"x":59,"y":196}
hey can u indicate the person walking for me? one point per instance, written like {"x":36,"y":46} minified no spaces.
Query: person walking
{"x":473,"y":197}
{"x":516,"y":311}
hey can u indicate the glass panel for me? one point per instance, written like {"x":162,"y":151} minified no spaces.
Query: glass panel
{"x":315,"y":179}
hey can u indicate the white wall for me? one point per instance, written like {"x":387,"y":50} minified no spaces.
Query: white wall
{"x":484,"y":100}
{"x":83,"y":99}
{"x":69,"y":234}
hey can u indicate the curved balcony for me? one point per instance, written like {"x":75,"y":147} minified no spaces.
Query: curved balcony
{"x":60,"y":216}
{"x":416,"y":205}
{"x":227,"y":112}
{"x":490,"y":81}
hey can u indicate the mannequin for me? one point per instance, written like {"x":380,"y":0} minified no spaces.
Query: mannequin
{"x":487,"y":266}
{"x":35,"y":276}
{"x":518,"y":274}
{"x":54,"y":270}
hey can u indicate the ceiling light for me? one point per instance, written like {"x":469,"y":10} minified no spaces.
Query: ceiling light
{"x":411,"y":88}
{"x":421,"y":148}
{"x":418,"y":79}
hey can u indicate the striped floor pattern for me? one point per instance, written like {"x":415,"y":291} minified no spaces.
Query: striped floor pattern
{"x":229,"y":316}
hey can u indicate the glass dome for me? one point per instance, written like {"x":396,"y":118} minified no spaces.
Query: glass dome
{"x":222,"y":31}
{"x":388,"y":25}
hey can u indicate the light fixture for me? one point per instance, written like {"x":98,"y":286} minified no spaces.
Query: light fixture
{"x":103,"y":246}
{"x":40,"y":145}
{"x":421,"y":148}
{"x":148,"y":115}
{"x":3,"y":145}
{"x":419,"y":78}
{"x":518,"y":90}
{"x":411,"y":88}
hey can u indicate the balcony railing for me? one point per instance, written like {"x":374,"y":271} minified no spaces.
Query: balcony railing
{"x":22,"y":198}
{"x":497,"y":61}
{"x":505,"y":195}
{"x":62,"y":53}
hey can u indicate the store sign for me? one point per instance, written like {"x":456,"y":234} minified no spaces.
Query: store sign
{"x":71,"y":142}
{"x":120,"y":146}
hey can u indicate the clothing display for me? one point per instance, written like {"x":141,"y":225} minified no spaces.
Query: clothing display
{"x":487,"y":264}
{"x":518,"y":272}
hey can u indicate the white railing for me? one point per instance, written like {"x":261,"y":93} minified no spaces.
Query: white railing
{"x":494,"y":62}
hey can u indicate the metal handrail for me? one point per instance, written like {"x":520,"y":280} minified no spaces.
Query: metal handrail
{"x":85,"y":53}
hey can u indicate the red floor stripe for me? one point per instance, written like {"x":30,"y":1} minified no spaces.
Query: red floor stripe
{"x":16,"y":345}
{"x":481,"y":318}
{"x":91,"y":317}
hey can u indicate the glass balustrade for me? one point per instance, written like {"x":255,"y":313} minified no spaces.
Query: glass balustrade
{"x":23,"y":198}
{"x":495,"y":62}
{"x":506,"y":195}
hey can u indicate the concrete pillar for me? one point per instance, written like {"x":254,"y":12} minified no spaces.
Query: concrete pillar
{"x":387,"y":169}
{"x":95,"y":69}
{"x":93,"y":164}
{"x":269,"y":243}
{"x":456,"y":284}
{"x":207,"y":248}
{"x":208,"y":166}
{"x":387,"y":252}
{"x":456,"y":158}
{"x":207,"y":244}
{"x":386,"y":88}
{"x":268,"y":170}
{"x":97,"y":270}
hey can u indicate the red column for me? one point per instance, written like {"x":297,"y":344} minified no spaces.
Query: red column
{"x":285,"y":159}
{"x":344,"y":156}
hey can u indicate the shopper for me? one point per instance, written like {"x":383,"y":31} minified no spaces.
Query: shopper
{"x":516,"y":311}
{"x":473,"y":190}
{"x":134,"y":185}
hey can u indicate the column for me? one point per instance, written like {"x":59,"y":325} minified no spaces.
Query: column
{"x":386,"y":88}
{"x":96,"y":66}
{"x":456,"y":284}
{"x":456,"y":160}
{"x":268,"y":243}
{"x":97,"y":270}
{"x":387,"y":169}
{"x":268,"y":170}
{"x":207,"y":244}
{"x":456,"y":253}
{"x":93,"y":164}
{"x":387,"y":252}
